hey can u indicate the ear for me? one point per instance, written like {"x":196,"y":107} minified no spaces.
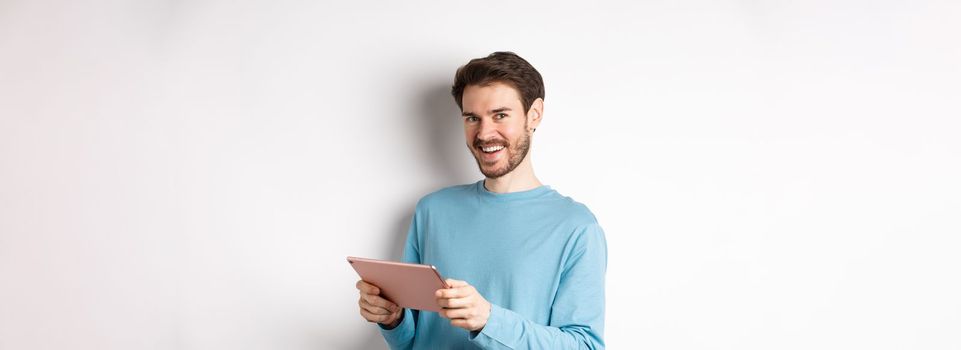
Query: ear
{"x":535,"y":114}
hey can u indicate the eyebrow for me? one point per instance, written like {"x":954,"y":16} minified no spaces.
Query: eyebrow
{"x":493,"y":111}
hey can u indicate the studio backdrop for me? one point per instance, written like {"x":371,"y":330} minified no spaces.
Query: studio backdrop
{"x":192,"y":174}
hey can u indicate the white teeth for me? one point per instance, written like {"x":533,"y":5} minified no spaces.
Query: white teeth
{"x":492,"y":149}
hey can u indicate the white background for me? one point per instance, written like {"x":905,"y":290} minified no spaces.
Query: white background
{"x":191,"y":174}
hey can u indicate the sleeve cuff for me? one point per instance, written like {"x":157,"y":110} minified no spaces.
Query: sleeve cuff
{"x":500,"y":331}
{"x":404,"y":331}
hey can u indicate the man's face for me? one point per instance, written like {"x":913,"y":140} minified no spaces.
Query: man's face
{"x":495,"y":127}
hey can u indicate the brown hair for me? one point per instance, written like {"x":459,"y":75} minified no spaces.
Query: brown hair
{"x":500,"y":67}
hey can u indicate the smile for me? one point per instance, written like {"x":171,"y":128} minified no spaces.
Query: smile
{"x":491,"y":149}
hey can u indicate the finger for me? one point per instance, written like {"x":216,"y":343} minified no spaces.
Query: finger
{"x":455,"y":283}
{"x":367,"y":288}
{"x":458,"y":292}
{"x":458,"y":313}
{"x":379,"y":302}
{"x":455,"y":303}
{"x":373,"y":317}
{"x":377,"y":310}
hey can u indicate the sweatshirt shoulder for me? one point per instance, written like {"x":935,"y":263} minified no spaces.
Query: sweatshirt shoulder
{"x":444,"y":196}
{"x":577,"y":213}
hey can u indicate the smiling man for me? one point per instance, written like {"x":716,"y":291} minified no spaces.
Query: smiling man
{"x":529,"y":262}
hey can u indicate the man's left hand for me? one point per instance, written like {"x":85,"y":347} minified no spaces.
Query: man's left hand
{"x":463,"y":305}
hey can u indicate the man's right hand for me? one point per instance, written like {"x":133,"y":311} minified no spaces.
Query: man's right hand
{"x":377,"y":309}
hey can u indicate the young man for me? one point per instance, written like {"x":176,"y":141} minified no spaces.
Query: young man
{"x":530,"y":262}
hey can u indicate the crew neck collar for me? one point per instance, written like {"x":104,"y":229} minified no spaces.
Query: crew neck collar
{"x":510,"y":196}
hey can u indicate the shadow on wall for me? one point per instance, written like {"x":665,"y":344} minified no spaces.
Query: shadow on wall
{"x":439,"y":136}
{"x":438,"y":133}
{"x":443,"y":136}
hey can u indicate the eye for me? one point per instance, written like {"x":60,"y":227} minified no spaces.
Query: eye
{"x":501,"y":115}
{"x":471,"y":119}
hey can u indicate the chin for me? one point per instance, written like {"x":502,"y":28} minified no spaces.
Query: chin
{"x":493,"y":173}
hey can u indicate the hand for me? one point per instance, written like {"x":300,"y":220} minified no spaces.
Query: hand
{"x":463,"y":305}
{"x":377,"y":309}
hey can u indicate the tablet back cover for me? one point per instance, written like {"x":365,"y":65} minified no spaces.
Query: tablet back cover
{"x":407,"y":285}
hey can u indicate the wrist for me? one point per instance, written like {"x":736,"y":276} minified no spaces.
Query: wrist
{"x":393,"y":324}
{"x":487,"y":317}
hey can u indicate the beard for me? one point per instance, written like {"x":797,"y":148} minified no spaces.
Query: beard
{"x":515,"y":154}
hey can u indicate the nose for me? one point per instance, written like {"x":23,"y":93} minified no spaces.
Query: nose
{"x":487,"y":130}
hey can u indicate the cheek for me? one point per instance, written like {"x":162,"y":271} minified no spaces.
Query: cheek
{"x":513,"y":132}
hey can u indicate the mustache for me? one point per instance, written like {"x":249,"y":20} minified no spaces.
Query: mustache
{"x":489,"y":143}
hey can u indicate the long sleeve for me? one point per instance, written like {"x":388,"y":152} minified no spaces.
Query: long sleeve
{"x":401,"y":337}
{"x":577,"y":315}
{"x":539,"y":257}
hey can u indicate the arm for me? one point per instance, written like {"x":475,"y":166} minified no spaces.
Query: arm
{"x":577,"y":315}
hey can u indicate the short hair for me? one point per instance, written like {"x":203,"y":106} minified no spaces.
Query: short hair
{"x":500,"y":67}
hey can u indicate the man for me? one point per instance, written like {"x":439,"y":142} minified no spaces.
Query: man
{"x":530,"y":262}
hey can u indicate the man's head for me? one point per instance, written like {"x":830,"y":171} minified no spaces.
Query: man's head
{"x":501,"y":97}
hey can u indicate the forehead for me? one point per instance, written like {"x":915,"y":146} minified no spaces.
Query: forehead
{"x":483,"y":98}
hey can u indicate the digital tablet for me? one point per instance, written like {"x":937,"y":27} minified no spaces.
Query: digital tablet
{"x":408,"y":285}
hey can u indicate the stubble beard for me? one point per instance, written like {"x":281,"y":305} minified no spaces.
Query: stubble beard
{"x":515,"y":155}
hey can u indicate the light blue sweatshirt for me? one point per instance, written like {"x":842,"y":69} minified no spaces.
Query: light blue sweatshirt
{"x":538,"y":257}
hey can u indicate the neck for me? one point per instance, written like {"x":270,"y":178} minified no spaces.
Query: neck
{"x":520,"y":179}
